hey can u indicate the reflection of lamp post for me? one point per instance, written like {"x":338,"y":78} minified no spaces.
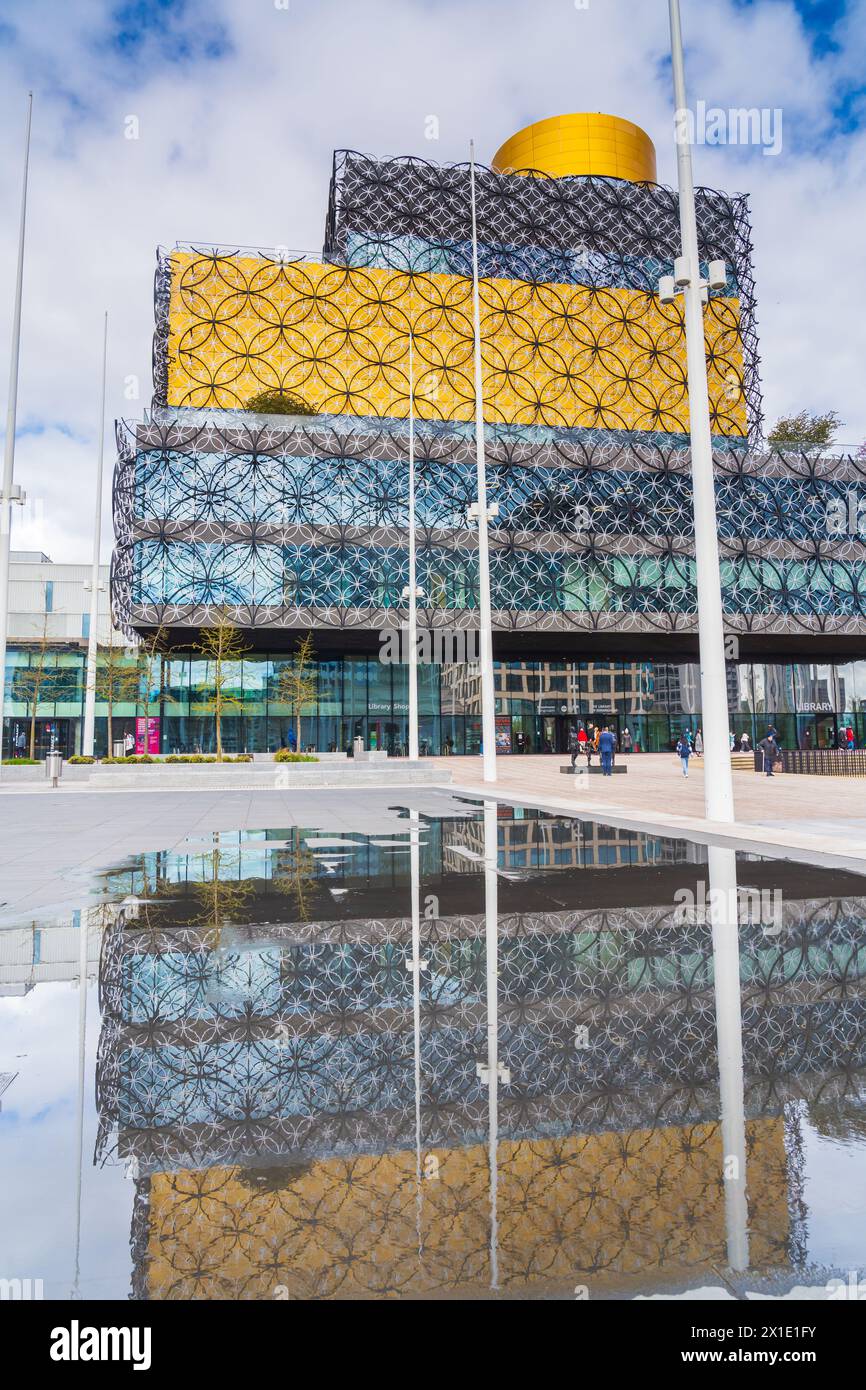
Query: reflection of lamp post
{"x":479,"y":511}
{"x":416,"y":965}
{"x":11,"y":492}
{"x":724,"y":917}
{"x":718,"y":786}
{"x":490,"y":1073}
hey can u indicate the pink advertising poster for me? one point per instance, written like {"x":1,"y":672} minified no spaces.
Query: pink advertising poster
{"x":147,"y":734}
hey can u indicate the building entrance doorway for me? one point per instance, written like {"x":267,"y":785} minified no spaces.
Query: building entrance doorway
{"x":50,"y":733}
{"x":817,"y":731}
{"x":555,"y":730}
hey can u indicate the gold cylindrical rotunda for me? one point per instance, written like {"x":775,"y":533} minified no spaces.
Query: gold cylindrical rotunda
{"x":578,"y":144}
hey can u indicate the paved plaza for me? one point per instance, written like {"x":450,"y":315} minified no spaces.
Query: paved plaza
{"x":53,"y":843}
{"x":828,"y":807}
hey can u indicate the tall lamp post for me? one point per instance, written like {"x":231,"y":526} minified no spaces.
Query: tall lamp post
{"x":11,"y":493}
{"x":412,"y":592}
{"x":718,"y":786}
{"x":480,"y":512}
{"x":93,"y":634}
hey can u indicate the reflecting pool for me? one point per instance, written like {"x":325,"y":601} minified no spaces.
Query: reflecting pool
{"x":493,"y":1054}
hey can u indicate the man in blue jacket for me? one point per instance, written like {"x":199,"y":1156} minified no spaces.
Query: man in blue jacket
{"x":607,"y":748}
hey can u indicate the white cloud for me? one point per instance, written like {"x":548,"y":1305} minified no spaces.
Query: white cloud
{"x":238,"y":150}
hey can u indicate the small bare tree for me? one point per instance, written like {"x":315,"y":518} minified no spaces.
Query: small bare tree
{"x":35,"y":682}
{"x":221,"y":893}
{"x":297,"y":682}
{"x":221,"y":645}
{"x":118,"y":680}
{"x":295,"y":875}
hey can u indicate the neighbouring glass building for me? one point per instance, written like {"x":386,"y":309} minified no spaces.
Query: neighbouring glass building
{"x":46,"y":660}
{"x":295,"y":524}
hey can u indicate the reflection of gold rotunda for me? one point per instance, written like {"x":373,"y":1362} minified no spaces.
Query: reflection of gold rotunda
{"x":581,"y":143}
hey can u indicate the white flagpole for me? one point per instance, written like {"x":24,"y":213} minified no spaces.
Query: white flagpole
{"x":93,"y":635}
{"x":10,"y":494}
{"x":488,"y":693}
{"x":413,"y":575}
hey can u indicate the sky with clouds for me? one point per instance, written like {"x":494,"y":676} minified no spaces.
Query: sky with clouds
{"x":240,"y":103}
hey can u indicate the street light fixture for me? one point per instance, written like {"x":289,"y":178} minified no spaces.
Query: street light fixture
{"x":718,"y":786}
{"x":480,"y":512}
{"x":412,"y":591}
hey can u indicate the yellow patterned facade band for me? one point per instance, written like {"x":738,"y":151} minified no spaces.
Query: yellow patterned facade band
{"x":610,"y":1205}
{"x":562,"y":355}
{"x":583,"y":143}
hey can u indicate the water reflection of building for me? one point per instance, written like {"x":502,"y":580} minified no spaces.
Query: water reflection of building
{"x":264,"y":1087}
{"x":533,"y":843}
{"x":38,"y":953}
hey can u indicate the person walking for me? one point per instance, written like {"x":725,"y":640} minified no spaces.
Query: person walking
{"x":684,"y":752}
{"x":769,"y":752}
{"x":626,"y":742}
{"x":849,"y":739}
{"x":20,"y":743}
{"x":607,"y":748}
{"x":591,"y":737}
{"x":699,"y":744}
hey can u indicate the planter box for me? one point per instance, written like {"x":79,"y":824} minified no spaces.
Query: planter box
{"x":270,"y":776}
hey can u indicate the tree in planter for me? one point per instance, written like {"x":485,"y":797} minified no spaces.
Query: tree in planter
{"x":221,"y":645}
{"x":277,"y":402}
{"x":805,"y":431}
{"x":297,"y":683}
{"x":118,"y":680}
{"x":152,"y":645}
{"x":35,"y":682}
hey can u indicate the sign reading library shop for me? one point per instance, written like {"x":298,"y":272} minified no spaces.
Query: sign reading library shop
{"x":147,"y":734}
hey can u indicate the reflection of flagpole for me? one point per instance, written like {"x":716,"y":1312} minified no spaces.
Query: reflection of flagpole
{"x":488,"y":694}
{"x":491,"y":940}
{"x":82,"y":1037}
{"x":724,"y":916}
{"x":413,"y":578}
